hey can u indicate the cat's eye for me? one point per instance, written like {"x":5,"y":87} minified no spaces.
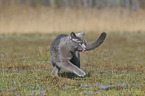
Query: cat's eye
{"x":80,"y":44}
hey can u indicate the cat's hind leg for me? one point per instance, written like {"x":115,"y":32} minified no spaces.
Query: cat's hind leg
{"x":55,"y":71}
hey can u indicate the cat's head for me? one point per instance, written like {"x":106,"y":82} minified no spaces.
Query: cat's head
{"x":79,"y":41}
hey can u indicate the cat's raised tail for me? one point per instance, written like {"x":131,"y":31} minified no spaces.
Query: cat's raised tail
{"x":97,"y":43}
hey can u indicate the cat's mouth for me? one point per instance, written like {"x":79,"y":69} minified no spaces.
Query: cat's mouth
{"x":83,"y":50}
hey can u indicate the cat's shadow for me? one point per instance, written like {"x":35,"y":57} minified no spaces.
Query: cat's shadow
{"x":71,"y":75}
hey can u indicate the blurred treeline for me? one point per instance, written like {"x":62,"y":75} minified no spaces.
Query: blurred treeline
{"x":130,"y":4}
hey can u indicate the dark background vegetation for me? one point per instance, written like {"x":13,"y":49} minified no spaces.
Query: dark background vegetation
{"x":131,"y":4}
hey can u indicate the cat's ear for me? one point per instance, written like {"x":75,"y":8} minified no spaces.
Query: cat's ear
{"x":72,"y":35}
{"x":81,"y":34}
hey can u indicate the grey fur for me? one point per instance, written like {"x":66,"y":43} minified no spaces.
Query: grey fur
{"x":65,"y":52}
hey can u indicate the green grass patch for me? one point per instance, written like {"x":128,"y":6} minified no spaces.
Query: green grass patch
{"x":25,"y":66}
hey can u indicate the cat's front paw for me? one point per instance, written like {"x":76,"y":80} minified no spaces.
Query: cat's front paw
{"x":81,"y":74}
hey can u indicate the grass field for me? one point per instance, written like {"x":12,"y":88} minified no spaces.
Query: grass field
{"x":25,"y":66}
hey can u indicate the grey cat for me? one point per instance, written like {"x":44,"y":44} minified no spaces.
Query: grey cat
{"x":65,"y":50}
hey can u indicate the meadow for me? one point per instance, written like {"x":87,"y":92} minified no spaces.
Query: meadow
{"x":119,"y":61}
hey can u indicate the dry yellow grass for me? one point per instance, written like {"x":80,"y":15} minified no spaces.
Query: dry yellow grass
{"x":46,"y":20}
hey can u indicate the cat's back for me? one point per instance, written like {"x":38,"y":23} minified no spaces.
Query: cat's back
{"x":56,"y":41}
{"x":59,"y":37}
